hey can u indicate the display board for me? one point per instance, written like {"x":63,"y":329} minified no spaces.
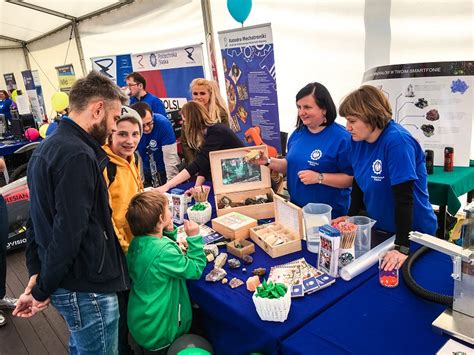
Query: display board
{"x":10,"y":81}
{"x":434,"y":101}
{"x":66,"y":77}
{"x":31,"y":83}
{"x":115,"y":67}
{"x":250,"y":81}
{"x":168,"y":73}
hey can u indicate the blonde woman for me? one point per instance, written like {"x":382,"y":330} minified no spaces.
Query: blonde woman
{"x":206,"y":92}
{"x":204,"y":135}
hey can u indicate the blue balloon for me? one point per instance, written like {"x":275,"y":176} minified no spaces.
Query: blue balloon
{"x":239,"y":9}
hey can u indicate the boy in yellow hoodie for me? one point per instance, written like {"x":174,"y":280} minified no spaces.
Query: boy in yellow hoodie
{"x":122,"y":177}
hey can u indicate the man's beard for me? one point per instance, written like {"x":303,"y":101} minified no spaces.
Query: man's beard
{"x":99,"y":132}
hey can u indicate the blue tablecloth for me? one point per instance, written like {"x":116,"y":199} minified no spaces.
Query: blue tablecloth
{"x":379,"y":320}
{"x":7,"y":149}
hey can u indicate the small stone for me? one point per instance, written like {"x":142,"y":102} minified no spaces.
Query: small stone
{"x":247,"y":259}
{"x":235,"y":282}
{"x":233,"y":263}
{"x":211,"y":249}
{"x":224,"y":281}
{"x":244,"y":270}
{"x":210,"y":258}
{"x":260,"y":271}
{"x":220,"y":260}
{"x":216,"y":274}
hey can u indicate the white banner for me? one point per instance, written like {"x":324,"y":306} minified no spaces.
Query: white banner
{"x":189,"y":56}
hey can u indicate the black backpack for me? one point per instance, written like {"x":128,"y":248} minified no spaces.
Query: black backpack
{"x":112,"y":169}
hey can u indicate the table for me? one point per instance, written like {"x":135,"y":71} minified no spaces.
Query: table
{"x":8,"y":148}
{"x":444,"y":189}
{"x":378,"y":320}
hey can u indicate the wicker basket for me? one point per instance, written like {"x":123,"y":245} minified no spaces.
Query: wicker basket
{"x":201,"y":217}
{"x":274,"y":310}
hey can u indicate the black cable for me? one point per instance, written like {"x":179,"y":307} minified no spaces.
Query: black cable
{"x":417,"y":289}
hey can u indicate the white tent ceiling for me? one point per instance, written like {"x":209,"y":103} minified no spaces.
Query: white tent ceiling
{"x":25,"y":21}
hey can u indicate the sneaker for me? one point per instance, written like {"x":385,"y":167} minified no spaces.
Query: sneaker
{"x":8,"y":302}
{"x":3,"y":319}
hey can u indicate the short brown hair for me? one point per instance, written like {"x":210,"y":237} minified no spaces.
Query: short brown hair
{"x":94,"y":86}
{"x":138,"y":78}
{"x":369,"y":104}
{"x":145,"y":210}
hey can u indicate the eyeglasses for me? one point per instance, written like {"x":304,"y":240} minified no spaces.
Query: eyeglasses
{"x":133,"y":84}
{"x":148,"y":124}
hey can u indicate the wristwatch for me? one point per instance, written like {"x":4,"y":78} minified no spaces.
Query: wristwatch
{"x":269,"y":161}
{"x":320,"y":178}
{"x":402,"y":249}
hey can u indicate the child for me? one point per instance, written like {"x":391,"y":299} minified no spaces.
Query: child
{"x":159,"y":309}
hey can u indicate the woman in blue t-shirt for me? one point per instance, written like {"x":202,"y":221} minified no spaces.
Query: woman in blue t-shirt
{"x":390,"y":182}
{"x":317,"y":164}
{"x":5,"y":104}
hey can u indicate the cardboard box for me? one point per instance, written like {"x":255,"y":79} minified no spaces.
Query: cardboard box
{"x":283,"y":236}
{"x":234,"y":225}
{"x":237,"y":180}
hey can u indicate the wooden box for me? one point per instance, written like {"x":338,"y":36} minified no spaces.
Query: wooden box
{"x":234,"y":225}
{"x":247,"y":247}
{"x":284,"y":235}
{"x":237,"y":180}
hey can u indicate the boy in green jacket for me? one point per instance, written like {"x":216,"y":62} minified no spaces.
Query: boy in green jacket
{"x":159,"y":309}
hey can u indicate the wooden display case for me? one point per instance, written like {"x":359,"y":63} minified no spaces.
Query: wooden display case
{"x":246,"y":248}
{"x":234,"y":225}
{"x":236,"y":180}
{"x":283,"y":236}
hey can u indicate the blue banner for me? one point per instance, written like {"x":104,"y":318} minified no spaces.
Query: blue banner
{"x":250,"y":80}
{"x":115,"y":67}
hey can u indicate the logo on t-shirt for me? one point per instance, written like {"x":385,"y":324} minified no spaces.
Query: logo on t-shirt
{"x":377,"y":166}
{"x":152,"y":144}
{"x":316,"y":154}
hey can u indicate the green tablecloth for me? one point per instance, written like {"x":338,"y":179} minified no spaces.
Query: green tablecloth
{"x":445,"y":187}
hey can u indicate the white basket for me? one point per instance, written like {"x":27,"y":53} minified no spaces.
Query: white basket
{"x":201,"y":217}
{"x":274,"y":310}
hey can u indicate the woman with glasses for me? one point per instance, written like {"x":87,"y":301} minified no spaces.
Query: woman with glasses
{"x":204,"y":135}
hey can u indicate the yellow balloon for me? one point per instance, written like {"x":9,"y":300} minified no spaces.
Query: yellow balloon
{"x":43,"y":129}
{"x":60,"y":101}
{"x":14,"y":95}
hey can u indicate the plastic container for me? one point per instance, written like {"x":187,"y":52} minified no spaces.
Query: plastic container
{"x":200,"y":217}
{"x":387,"y":278}
{"x":273,"y":310}
{"x":364,"y":233}
{"x":315,"y":215}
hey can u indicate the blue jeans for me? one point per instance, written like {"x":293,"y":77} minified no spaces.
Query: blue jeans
{"x":92,"y":319}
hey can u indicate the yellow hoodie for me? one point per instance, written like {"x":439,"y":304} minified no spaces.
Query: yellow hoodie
{"x":127,"y":183}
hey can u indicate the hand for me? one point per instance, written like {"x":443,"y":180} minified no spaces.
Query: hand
{"x":337,"y":220}
{"x":308,"y":177}
{"x":191,"y":228}
{"x":393,"y":259}
{"x":163,"y":188}
{"x":261,"y":159}
{"x":27,"y":306}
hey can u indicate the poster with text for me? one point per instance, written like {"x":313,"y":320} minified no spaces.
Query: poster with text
{"x":115,"y":67}
{"x":168,"y":73}
{"x":433,"y":101}
{"x":66,"y":77}
{"x":39,"y":93}
{"x":29,"y":81}
{"x":250,"y":81}
{"x":10,"y":81}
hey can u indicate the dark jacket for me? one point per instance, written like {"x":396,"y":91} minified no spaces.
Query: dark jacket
{"x":74,"y":244}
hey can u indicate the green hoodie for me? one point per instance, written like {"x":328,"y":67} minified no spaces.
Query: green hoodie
{"x":159,"y":309}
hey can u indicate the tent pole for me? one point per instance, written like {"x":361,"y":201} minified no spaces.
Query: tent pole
{"x":25,"y":53}
{"x":77,"y":36}
{"x":209,"y":33}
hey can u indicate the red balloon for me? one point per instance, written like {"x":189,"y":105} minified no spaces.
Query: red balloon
{"x":31,"y":134}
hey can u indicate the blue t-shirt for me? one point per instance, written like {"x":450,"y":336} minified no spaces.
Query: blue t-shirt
{"x":155,"y":103}
{"x":326,"y":152}
{"x":5,"y":108}
{"x":161,"y":134}
{"x":395,"y":157}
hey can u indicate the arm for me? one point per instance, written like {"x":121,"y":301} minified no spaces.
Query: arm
{"x":199,"y":181}
{"x":178,"y":179}
{"x":357,"y":207}
{"x":171,"y":160}
{"x":190,"y":266}
{"x":2,"y":165}
{"x":337,"y":180}
{"x":33,"y":262}
{"x":74,"y":196}
{"x":279,"y":165}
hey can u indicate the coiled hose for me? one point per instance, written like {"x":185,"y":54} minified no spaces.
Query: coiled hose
{"x":417,"y":289}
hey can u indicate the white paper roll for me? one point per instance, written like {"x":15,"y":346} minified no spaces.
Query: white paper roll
{"x":364,"y":262}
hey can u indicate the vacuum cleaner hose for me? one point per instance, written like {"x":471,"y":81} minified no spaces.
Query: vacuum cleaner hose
{"x":417,"y":289}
